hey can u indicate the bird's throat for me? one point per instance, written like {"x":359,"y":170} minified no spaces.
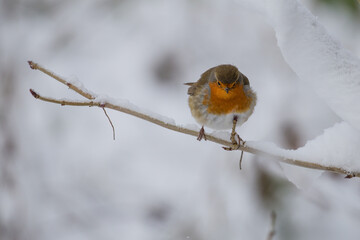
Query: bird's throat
{"x":221,"y":102}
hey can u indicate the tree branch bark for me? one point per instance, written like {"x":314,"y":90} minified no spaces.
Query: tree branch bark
{"x":93,"y":101}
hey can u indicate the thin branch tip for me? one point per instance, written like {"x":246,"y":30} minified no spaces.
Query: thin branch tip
{"x":32,"y":65}
{"x":35,"y":95}
{"x":112,"y":125}
{"x":272,"y":232}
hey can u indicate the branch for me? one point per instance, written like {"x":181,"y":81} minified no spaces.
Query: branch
{"x":133,"y":110}
{"x":82,"y":92}
{"x":271,"y":233}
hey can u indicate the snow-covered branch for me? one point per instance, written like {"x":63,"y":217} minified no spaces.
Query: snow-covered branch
{"x":260,"y":148}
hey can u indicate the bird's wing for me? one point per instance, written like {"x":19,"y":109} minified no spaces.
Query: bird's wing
{"x":192,"y":88}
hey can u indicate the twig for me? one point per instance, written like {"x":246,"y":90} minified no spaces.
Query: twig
{"x":36,"y":66}
{"x":87,"y":95}
{"x":241,"y":158}
{"x":271,"y":234}
{"x":229,"y":145}
{"x":63,"y":102}
{"x":112,"y":125}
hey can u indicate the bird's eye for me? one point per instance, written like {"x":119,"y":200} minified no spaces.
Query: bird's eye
{"x":218,"y":83}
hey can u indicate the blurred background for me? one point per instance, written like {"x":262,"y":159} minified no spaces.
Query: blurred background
{"x":63,"y":177}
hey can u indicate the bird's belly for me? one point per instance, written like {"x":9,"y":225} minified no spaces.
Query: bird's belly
{"x":218,"y":120}
{"x":225,"y":121}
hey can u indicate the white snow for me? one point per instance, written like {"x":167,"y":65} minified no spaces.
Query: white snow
{"x":317,"y":58}
{"x":338,"y":147}
{"x":132,"y":107}
{"x":80,"y":85}
{"x":325,"y":67}
{"x":193,"y":127}
{"x":62,"y":175}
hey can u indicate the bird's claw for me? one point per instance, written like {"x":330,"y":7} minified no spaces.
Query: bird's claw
{"x":201,"y":134}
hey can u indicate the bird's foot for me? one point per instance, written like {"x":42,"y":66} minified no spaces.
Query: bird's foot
{"x":233,"y":132}
{"x":235,"y":143}
{"x":201,"y":134}
{"x":233,"y":140}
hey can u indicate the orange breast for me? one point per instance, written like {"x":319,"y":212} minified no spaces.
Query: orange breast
{"x":220,"y":102}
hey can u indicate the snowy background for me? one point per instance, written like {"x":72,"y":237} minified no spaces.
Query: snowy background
{"x":63,"y":177}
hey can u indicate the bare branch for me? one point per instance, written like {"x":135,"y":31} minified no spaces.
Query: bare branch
{"x":271,"y":233}
{"x":229,"y":145}
{"x":112,"y":125}
{"x":241,"y":158}
{"x":63,"y":102}
{"x":36,"y":66}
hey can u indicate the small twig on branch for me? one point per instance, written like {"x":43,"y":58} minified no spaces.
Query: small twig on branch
{"x":92,"y":101}
{"x":112,"y":125}
{"x":87,"y":95}
{"x":63,"y":102}
{"x":271,"y":233}
{"x":36,"y":66}
{"x":241,"y":158}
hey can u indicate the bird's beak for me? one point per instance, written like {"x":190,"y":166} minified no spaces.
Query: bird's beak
{"x":227,"y":90}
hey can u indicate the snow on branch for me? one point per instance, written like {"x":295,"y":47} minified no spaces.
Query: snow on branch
{"x":259,"y":148}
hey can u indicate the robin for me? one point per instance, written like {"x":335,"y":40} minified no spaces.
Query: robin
{"x":221,"y":99}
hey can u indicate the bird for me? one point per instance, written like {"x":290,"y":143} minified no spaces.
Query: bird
{"x":221,"y":99}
